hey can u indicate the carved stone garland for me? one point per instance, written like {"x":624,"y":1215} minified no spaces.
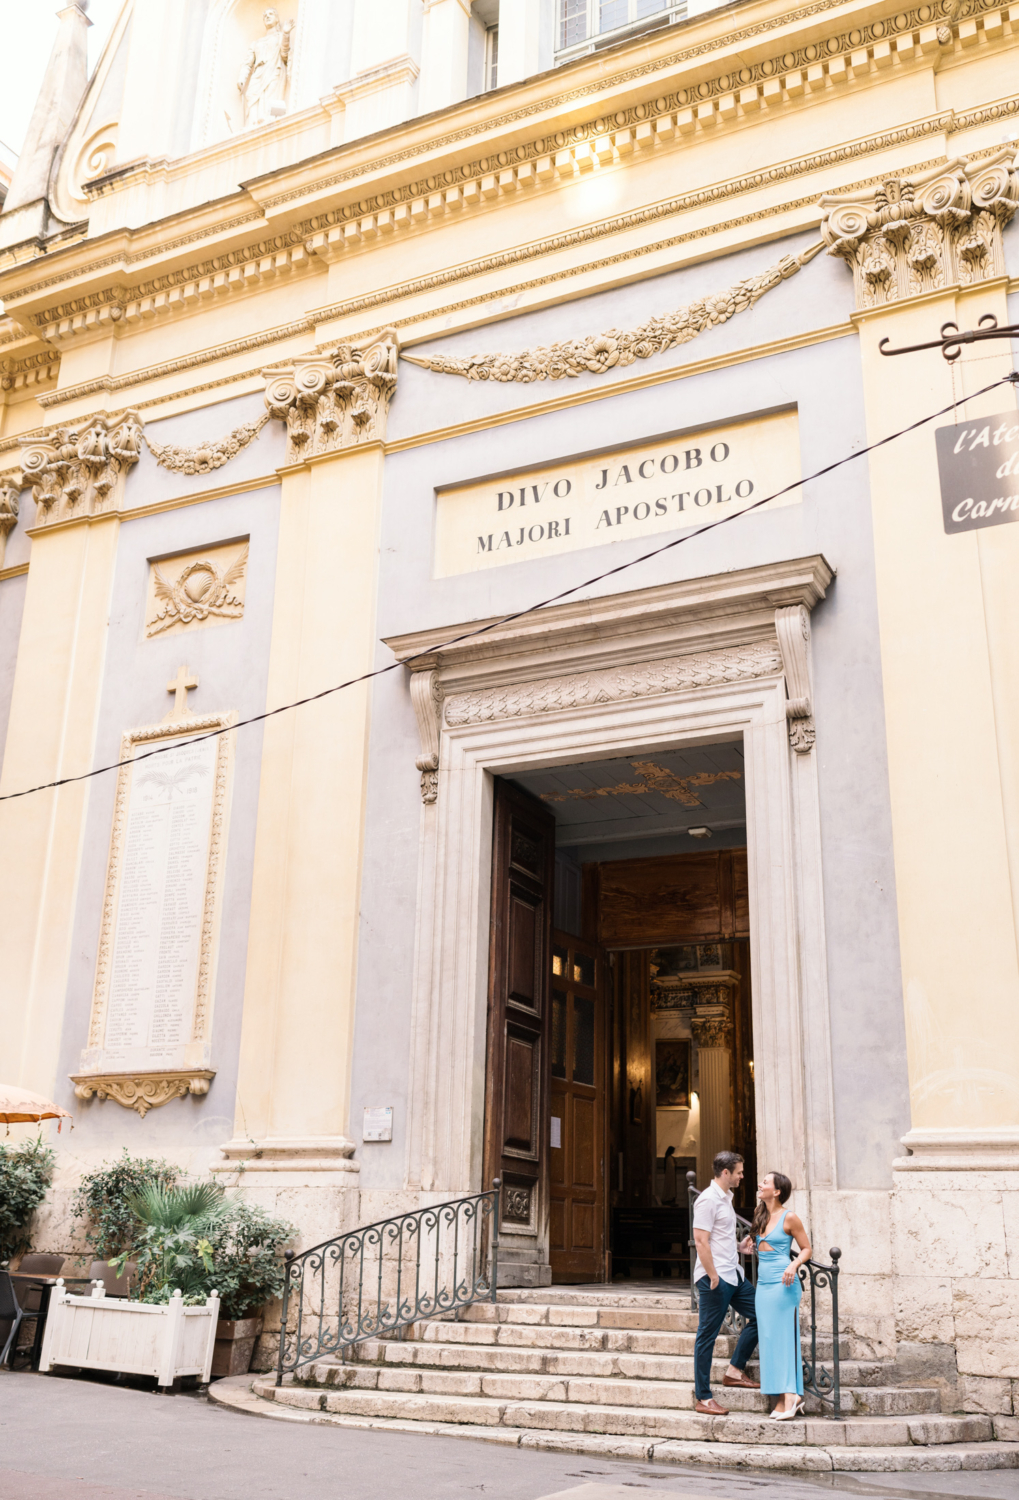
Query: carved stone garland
{"x":600,"y":353}
{"x":203,"y":457}
{"x":918,"y":234}
{"x":335,"y":401}
{"x":79,"y":471}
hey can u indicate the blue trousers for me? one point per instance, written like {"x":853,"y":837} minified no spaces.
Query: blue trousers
{"x":713,"y":1307}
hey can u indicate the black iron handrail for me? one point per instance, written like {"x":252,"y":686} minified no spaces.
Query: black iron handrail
{"x":384,"y":1276}
{"x":818,"y":1380}
{"x":825,"y":1384}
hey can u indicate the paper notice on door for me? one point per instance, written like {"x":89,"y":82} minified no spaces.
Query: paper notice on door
{"x":557,"y":1133}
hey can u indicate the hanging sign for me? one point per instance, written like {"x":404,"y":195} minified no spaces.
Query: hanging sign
{"x":978,"y":462}
{"x":622,"y":495}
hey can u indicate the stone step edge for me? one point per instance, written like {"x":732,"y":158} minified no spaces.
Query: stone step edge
{"x":467,"y":1350}
{"x":722,"y":1393}
{"x":605,"y":1411}
{"x":236,"y":1393}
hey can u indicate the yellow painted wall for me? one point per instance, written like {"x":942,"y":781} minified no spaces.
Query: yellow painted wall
{"x":51,"y":734}
{"x":299,"y":994}
{"x":949,"y":614}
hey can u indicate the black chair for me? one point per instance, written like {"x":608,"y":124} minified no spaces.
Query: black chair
{"x":10,"y":1313}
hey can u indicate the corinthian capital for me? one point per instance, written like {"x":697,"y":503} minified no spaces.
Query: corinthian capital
{"x":712,"y":1030}
{"x":918,"y":234}
{"x":334,"y":401}
{"x":80,"y":471}
{"x":10,"y":496}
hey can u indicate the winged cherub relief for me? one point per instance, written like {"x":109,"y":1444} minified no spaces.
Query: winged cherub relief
{"x":200,"y":592}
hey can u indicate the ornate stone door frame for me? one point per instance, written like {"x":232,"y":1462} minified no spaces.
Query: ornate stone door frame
{"x":676,"y":665}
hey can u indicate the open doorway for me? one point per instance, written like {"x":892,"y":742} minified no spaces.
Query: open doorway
{"x":648,"y":1063}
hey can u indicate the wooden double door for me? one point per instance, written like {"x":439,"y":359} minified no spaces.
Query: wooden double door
{"x":545,"y":1118}
{"x":578,"y":1125}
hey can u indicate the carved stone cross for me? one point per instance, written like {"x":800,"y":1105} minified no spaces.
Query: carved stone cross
{"x":180,"y":687}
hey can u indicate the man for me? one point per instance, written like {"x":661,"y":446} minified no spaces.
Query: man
{"x":720,"y":1283}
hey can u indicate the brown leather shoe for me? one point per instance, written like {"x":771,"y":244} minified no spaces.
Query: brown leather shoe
{"x":711,"y":1409}
{"x":743,"y":1381}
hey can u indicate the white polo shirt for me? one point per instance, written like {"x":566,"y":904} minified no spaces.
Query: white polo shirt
{"x":714,"y":1212}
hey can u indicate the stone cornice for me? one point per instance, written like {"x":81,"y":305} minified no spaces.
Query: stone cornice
{"x":675,"y":619}
{"x":717,"y":98}
{"x":804,"y":207}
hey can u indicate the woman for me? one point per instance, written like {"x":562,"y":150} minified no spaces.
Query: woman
{"x":778,"y":1294}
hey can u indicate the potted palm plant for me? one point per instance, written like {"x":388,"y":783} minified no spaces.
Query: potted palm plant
{"x":195,"y":1237}
{"x":197,"y":1252}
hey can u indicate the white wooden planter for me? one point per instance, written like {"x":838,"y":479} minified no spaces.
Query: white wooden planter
{"x":110,"y":1333}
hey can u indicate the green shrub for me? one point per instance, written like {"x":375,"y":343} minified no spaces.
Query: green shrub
{"x":195,"y":1239}
{"x":248,"y":1268}
{"x":26,"y":1172}
{"x":104,"y":1199}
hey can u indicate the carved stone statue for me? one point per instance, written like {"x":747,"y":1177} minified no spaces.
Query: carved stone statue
{"x":262,"y":82}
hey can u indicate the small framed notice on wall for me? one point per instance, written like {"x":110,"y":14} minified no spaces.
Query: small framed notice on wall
{"x":378,"y":1122}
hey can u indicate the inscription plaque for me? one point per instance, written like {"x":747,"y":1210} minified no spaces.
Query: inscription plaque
{"x":623,"y":495}
{"x":151,"y":1008}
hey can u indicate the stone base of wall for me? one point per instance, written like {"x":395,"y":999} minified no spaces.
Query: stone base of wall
{"x":930,"y":1269}
{"x":955,"y":1252}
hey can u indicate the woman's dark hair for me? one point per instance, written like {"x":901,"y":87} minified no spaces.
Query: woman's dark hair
{"x":783,"y":1187}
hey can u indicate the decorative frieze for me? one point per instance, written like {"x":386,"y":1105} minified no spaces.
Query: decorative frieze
{"x":647,"y":679}
{"x":203,"y":457}
{"x":596,"y":354}
{"x":334,"y":401}
{"x":918,"y":234}
{"x":80,"y":470}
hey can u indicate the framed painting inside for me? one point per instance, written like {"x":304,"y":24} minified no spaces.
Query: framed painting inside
{"x":672,"y":1072}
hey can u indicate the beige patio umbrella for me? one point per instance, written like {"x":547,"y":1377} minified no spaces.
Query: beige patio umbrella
{"x":19,"y":1106}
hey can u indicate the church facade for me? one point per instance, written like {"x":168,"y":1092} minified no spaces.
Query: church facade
{"x":336,"y":341}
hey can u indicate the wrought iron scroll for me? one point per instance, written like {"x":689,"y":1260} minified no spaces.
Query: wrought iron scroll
{"x":385,"y":1276}
{"x":818,"y":1380}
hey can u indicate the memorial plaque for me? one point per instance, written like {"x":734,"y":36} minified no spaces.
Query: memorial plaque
{"x":626,"y":494}
{"x":151,"y":1008}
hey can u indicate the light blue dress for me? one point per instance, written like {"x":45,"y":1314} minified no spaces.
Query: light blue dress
{"x":778,"y":1316}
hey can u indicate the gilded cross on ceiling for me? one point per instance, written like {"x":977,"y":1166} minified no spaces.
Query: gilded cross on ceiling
{"x":180,"y":686}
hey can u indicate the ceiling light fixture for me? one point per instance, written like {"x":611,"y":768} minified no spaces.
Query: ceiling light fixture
{"x":699,"y":833}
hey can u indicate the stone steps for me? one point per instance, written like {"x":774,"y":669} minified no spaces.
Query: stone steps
{"x":627,"y":1387}
{"x":875,"y":1444}
{"x":596,"y":1371}
{"x":613,"y":1340}
{"x":573,"y":1315}
{"x":537,"y":1359}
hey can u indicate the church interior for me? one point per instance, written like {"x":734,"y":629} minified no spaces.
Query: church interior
{"x":650,"y":1045}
